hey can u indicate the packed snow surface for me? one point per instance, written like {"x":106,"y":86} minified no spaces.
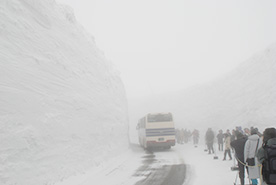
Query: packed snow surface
{"x":201,"y":167}
{"x":63,"y":107}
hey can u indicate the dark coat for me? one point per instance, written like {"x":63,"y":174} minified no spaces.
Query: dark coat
{"x":261,"y":152}
{"x":220,"y":137}
{"x":210,"y":136}
{"x":238,"y":146}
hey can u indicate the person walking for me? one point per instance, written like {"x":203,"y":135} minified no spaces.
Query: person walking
{"x":220,"y":137}
{"x":238,"y":146}
{"x":195,"y":135}
{"x":227,"y":150}
{"x":250,"y":151}
{"x":181,"y":136}
{"x":209,"y":138}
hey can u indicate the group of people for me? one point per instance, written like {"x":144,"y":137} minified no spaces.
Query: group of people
{"x":250,"y":148}
{"x":184,"y":136}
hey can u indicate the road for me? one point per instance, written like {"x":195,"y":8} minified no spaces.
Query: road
{"x":180,"y":165}
{"x":161,"y":167}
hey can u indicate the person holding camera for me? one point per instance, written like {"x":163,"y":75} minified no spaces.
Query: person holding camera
{"x":238,"y":146}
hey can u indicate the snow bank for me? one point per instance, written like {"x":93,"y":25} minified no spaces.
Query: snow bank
{"x":245,"y":97}
{"x":62,"y":105}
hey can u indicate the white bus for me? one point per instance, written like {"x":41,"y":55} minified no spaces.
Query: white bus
{"x":156,"y":130}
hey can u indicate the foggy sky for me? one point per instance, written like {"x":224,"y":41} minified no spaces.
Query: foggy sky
{"x":162,"y":45}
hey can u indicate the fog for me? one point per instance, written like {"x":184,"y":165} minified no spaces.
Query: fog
{"x":164,"y":48}
{"x":160,"y":46}
{"x":75,"y":79}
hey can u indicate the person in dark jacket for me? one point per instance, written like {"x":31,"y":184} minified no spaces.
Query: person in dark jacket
{"x":209,"y":138}
{"x":269,"y":138}
{"x":238,"y":146}
{"x":220,"y":137}
{"x":195,"y":135}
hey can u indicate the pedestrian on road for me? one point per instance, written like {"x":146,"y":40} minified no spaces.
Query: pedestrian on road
{"x":238,"y":146}
{"x":227,"y":141}
{"x":209,"y":138}
{"x":269,"y":139}
{"x":250,"y":151}
{"x":220,"y":137}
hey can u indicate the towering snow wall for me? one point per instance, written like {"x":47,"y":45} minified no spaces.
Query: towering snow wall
{"x":62,"y":105}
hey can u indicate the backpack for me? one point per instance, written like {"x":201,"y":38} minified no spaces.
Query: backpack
{"x":269,"y":165}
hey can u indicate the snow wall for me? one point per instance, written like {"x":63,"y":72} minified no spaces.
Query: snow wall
{"x":245,"y":97}
{"x":63,"y":107}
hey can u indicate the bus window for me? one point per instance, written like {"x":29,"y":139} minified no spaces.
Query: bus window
{"x":160,"y":118}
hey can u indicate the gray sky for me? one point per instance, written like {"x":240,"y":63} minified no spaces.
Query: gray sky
{"x":168,"y":45}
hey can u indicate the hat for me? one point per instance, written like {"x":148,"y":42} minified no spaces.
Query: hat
{"x":239,"y":134}
{"x":254,"y":131}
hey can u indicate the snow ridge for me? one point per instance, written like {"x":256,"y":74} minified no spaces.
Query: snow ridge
{"x":245,"y":97}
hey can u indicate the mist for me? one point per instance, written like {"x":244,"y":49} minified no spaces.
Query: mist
{"x":76,"y":77}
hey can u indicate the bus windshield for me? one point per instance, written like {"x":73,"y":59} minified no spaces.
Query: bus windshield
{"x":159,"y":118}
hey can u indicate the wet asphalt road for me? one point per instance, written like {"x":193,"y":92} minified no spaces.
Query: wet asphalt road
{"x":156,"y":173}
